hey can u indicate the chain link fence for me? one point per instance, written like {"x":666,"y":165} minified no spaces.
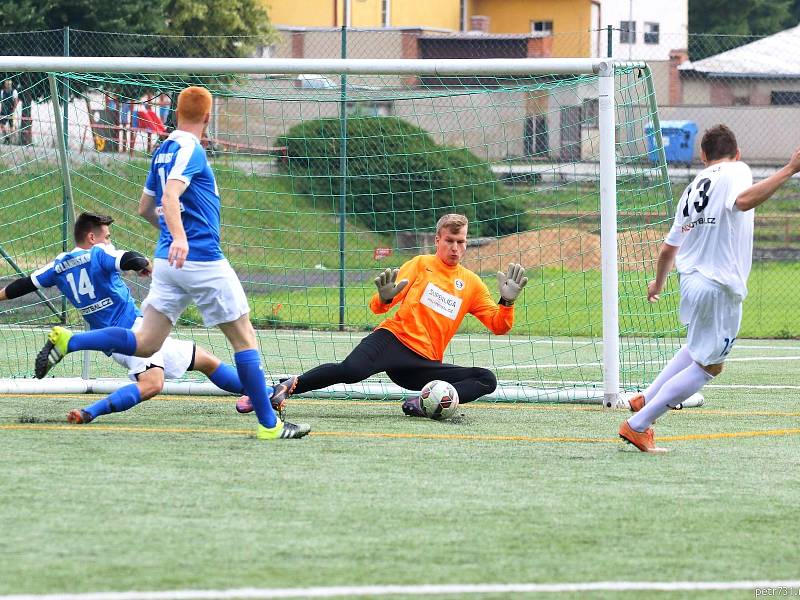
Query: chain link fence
{"x":750,"y":83}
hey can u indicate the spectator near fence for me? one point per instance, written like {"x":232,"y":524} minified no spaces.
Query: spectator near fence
{"x":9,"y":98}
{"x":164,"y":103}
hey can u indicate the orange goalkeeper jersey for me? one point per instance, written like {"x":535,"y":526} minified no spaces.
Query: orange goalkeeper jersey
{"x":435,"y":301}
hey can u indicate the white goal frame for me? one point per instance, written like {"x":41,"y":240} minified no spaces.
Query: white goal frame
{"x":610,"y":395}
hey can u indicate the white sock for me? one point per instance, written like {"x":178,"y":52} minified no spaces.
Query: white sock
{"x":679,"y":362}
{"x":673,"y":392}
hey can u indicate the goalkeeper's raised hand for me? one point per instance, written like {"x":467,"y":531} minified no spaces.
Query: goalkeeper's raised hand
{"x":388,"y":286}
{"x":511,"y":283}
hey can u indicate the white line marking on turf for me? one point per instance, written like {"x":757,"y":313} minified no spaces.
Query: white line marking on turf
{"x":419,"y":590}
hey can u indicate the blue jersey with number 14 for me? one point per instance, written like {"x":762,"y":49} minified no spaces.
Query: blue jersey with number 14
{"x":91,"y":282}
{"x":182,"y":157}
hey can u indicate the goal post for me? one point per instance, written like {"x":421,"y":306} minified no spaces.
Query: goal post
{"x":557,"y":162}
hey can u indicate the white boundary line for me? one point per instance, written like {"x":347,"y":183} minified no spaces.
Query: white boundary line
{"x":420,"y":590}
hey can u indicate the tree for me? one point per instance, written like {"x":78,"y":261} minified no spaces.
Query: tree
{"x":734,"y":18}
{"x":230,"y":28}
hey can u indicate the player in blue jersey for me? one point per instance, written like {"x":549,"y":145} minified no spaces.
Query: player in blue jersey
{"x":89,"y":277}
{"x":181,"y":199}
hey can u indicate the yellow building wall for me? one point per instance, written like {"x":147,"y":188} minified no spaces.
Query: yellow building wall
{"x":439,"y":14}
{"x":301,"y":13}
{"x":571,"y":21}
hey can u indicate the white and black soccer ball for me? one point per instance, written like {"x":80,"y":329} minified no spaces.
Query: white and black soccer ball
{"x":438,"y":400}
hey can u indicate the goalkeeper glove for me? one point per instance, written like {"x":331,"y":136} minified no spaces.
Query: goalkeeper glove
{"x":387,"y":288}
{"x":511,"y":283}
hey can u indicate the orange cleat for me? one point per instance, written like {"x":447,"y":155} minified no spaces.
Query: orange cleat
{"x":644,"y":440}
{"x":79,"y":416}
{"x":636,"y":403}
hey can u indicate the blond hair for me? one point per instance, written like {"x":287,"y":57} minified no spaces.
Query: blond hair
{"x":194,"y":103}
{"x":452,"y":222}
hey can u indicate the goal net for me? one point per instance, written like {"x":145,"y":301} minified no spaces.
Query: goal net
{"x":330,"y":171}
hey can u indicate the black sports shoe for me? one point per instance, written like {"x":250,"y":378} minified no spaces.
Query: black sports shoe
{"x":281,"y":392}
{"x":411,"y":407}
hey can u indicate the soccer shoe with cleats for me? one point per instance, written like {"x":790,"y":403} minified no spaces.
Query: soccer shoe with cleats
{"x":281,"y":392}
{"x":278,"y":399}
{"x":79,"y":416}
{"x":411,"y":407}
{"x":53,"y":351}
{"x":636,"y":403}
{"x":283,"y":431}
{"x":644,"y":441}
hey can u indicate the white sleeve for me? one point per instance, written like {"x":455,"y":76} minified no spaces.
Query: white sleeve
{"x":179,"y":170}
{"x":740,"y":180}
{"x":675,"y":235}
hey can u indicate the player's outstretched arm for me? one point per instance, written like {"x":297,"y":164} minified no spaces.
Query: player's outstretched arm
{"x":17,"y":288}
{"x":133,"y":261}
{"x":170,"y":202}
{"x":760,"y":192}
{"x":511,"y":283}
{"x":666,"y":258}
{"x":388,"y":286}
{"x":147,"y":209}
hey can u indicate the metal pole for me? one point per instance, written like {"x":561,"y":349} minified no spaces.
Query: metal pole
{"x":65,"y":134}
{"x":658,"y":139}
{"x":68,"y":209}
{"x":608,"y":237}
{"x":342,"y":180}
{"x":610,"y":41}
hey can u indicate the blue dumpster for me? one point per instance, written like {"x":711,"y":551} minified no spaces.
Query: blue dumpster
{"x":678,"y":137}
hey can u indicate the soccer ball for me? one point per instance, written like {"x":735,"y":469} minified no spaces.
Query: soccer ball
{"x":438,"y":400}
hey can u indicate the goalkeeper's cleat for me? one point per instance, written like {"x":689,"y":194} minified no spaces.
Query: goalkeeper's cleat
{"x":281,"y":392}
{"x":411,"y":407}
{"x":644,"y":440}
{"x":283,"y":431}
{"x":53,"y":351}
{"x":278,"y":398}
{"x":636,"y":403}
{"x":243,"y":405}
{"x":79,"y":416}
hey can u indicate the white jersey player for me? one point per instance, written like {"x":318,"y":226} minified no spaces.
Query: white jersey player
{"x":711,"y":244}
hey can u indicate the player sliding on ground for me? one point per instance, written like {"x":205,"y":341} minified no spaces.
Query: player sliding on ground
{"x":711,"y":241}
{"x":435,"y":293}
{"x":89,"y":277}
{"x":181,"y":199}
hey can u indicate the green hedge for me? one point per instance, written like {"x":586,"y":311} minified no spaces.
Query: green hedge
{"x":399,"y":178}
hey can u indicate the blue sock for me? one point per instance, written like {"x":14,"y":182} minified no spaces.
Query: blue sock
{"x":123,"y":399}
{"x":248,"y":365}
{"x":108,"y":340}
{"x":226,"y":378}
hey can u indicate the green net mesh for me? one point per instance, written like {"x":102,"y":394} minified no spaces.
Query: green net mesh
{"x":326,"y":179}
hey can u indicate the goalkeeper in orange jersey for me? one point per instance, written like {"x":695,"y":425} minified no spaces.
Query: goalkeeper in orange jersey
{"x":435,"y":293}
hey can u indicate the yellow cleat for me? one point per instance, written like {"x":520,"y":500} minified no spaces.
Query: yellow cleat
{"x":53,"y":351}
{"x":283,"y":431}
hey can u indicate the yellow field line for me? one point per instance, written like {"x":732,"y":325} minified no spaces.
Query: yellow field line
{"x":391,"y":435}
{"x":388,"y":404}
{"x":392,"y":405}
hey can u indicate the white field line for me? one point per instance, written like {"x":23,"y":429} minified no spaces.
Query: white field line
{"x":427,"y":590}
{"x":567,"y":365}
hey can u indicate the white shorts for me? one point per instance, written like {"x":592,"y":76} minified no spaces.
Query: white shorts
{"x":212,"y":286}
{"x":713,"y":314}
{"x":175,"y":358}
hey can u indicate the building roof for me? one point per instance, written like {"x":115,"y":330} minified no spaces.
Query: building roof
{"x":775,"y":56}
